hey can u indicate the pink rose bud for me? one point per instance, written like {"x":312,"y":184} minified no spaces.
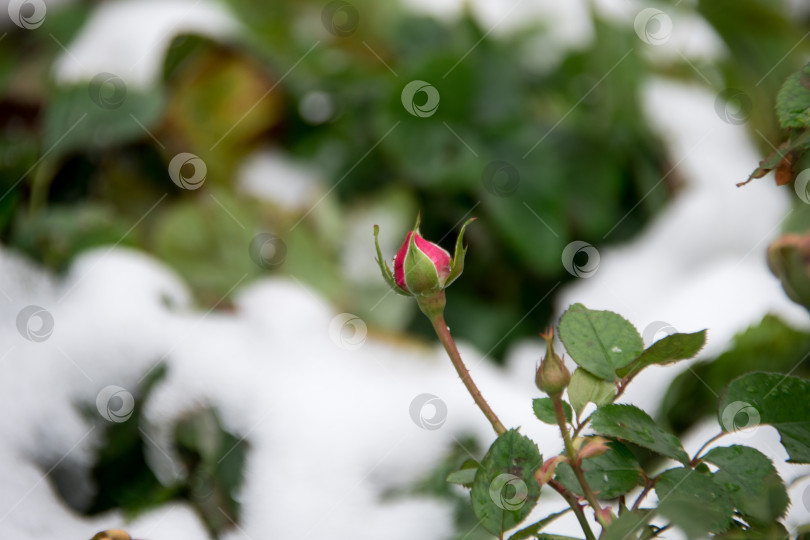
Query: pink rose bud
{"x":422,"y":268}
{"x":423,"y":276}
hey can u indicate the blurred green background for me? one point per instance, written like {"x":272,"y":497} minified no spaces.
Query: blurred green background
{"x":543,"y":152}
{"x":77,"y":174}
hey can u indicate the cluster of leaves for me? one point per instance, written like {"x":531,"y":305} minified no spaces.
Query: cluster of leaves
{"x":728,"y":491}
{"x":210,"y":464}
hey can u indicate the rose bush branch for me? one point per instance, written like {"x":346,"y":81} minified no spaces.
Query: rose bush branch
{"x":736,"y":488}
{"x":423,"y":270}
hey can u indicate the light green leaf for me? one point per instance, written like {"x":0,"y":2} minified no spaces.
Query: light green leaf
{"x":463,"y":477}
{"x":793,"y":100}
{"x":599,"y":341}
{"x":770,"y":398}
{"x":751,"y":480}
{"x":629,"y":423}
{"x":504,"y":491}
{"x":584,"y":388}
{"x":544,"y":410}
{"x":667,"y":350}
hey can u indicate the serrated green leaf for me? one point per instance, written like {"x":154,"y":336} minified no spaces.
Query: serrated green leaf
{"x":599,"y":341}
{"x":751,"y":480}
{"x":629,"y":423}
{"x":504,"y":491}
{"x":793,"y":100}
{"x":665,"y":351}
{"x":770,"y":398}
{"x":614,"y":473}
{"x":627,"y":526}
{"x":584,"y":388}
{"x":532,"y":530}
{"x":544,"y":410}
{"x":694,"y":502}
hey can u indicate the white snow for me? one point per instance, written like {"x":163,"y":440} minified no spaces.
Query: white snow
{"x":299,"y":395}
{"x":129,"y":38}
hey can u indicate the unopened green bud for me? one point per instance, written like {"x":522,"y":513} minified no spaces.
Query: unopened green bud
{"x":552,"y":376}
{"x":789,"y":260}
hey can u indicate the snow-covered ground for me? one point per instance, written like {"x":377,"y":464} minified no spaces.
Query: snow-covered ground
{"x":308,"y":385}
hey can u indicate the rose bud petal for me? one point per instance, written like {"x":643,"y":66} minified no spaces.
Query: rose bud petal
{"x":421,"y":267}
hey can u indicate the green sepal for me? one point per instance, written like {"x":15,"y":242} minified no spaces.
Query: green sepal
{"x":388,"y":276}
{"x":421,"y":275}
{"x":457,"y":266}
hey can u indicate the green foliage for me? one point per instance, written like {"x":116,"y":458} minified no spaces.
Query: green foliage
{"x":628,"y":525}
{"x":693,"y":394}
{"x":694,"y":501}
{"x":665,"y":351}
{"x":213,"y":458}
{"x":544,"y":410}
{"x":631,"y":424}
{"x":793,"y":100}
{"x":465,"y":475}
{"x":751,"y":481}
{"x":614,"y":473}
{"x":782,"y":401}
{"x":496,"y":143}
{"x":585,"y":388}
{"x":504,"y":490}
{"x":599,"y":341}
{"x":74,"y":121}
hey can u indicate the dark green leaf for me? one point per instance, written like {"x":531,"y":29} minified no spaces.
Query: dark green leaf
{"x":770,"y":398}
{"x":599,"y":341}
{"x":544,"y":410}
{"x":584,"y":388}
{"x":614,"y":473}
{"x":631,"y":424}
{"x":532,"y":530}
{"x":504,"y":490}
{"x":667,"y":350}
{"x":693,"y":501}
{"x":751,"y":481}
{"x":793,"y":100}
